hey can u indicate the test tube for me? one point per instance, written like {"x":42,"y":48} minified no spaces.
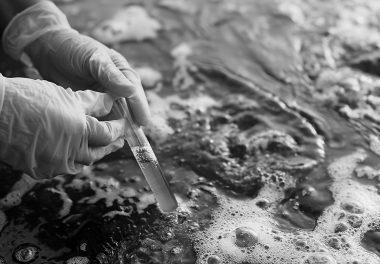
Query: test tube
{"x":147,"y":160}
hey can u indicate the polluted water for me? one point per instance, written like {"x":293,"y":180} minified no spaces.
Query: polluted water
{"x":265,"y":122}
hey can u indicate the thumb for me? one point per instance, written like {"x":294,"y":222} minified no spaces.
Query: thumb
{"x":102,"y":133}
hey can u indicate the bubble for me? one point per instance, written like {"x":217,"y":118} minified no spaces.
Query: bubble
{"x":352,"y":208}
{"x":371,"y":241}
{"x":301,"y":244}
{"x":319,"y":258}
{"x":83,"y":246}
{"x":263,"y":203}
{"x":354,"y":221}
{"x":245,"y":237}
{"x":26,"y":253}
{"x":335,"y":243}
{"x":213,"y":260}
{"x":165,"y":234}
{"x":340,"y":227}
{"x":2,"y":260}
{"x":176,"y":250}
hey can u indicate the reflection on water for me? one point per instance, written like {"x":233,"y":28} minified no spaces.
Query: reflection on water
{"x":265,"y":122}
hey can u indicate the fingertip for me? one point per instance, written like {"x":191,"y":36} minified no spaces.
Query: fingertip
{"x":108,"y":75}
{"x":142,"y":119}
{"x":140,"y":110}
{"x":102,"y":133}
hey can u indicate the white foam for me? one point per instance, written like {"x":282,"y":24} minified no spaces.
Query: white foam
{"x":184,"y":67}
{"x":162,"y":111}
{"x":19,"y":189}
{"x":130,"y":24}
{"x":353,"y":200}
{"x":149,"y":76}
{"x":108,"y":194}
{"x":112,"y":214}
{"x":66,"y":202}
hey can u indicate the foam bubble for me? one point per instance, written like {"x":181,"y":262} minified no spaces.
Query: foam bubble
{"x":25,"y":253}
{"x":245,"y":237}
{"x":319,"y":258}
{"x":213,"y":260}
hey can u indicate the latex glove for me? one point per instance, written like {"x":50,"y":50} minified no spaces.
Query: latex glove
{"x":70,"y":59}
{"x":46,"y":130}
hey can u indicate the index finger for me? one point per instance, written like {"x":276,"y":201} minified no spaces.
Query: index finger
{"x":113,"y":72}
{"x":136,"y":99}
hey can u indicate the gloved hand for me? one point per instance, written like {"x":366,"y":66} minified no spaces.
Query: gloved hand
{"x":70,"y":59}
{"x":46,"y":130}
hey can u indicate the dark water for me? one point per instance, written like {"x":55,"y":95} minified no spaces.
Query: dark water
{"x":266,"y":125}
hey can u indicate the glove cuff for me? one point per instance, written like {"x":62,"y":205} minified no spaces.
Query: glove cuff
{"x":31,"y":24}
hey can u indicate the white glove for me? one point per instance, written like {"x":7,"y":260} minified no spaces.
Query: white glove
{"x":70,"y":59}
{"x":46,"y":130}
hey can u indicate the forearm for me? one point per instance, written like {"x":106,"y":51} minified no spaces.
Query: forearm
{"x":10,"y":8}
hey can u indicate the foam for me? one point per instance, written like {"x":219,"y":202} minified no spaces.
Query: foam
{"x":162,"y":110}
{"x":19,"y":189}
{"x":145,"y":200}
{"x":130,"y":24}
{"x":149,"y":76}
{"x":184,"y":67}
{"x":112,"y":214}
{"x":78,"y":260}
{"x":67,"y":202}
{"x":108,"y":194}
{"x":356,"y":207}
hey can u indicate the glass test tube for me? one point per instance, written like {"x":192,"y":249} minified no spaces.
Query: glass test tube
{"x":147,"y":160}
